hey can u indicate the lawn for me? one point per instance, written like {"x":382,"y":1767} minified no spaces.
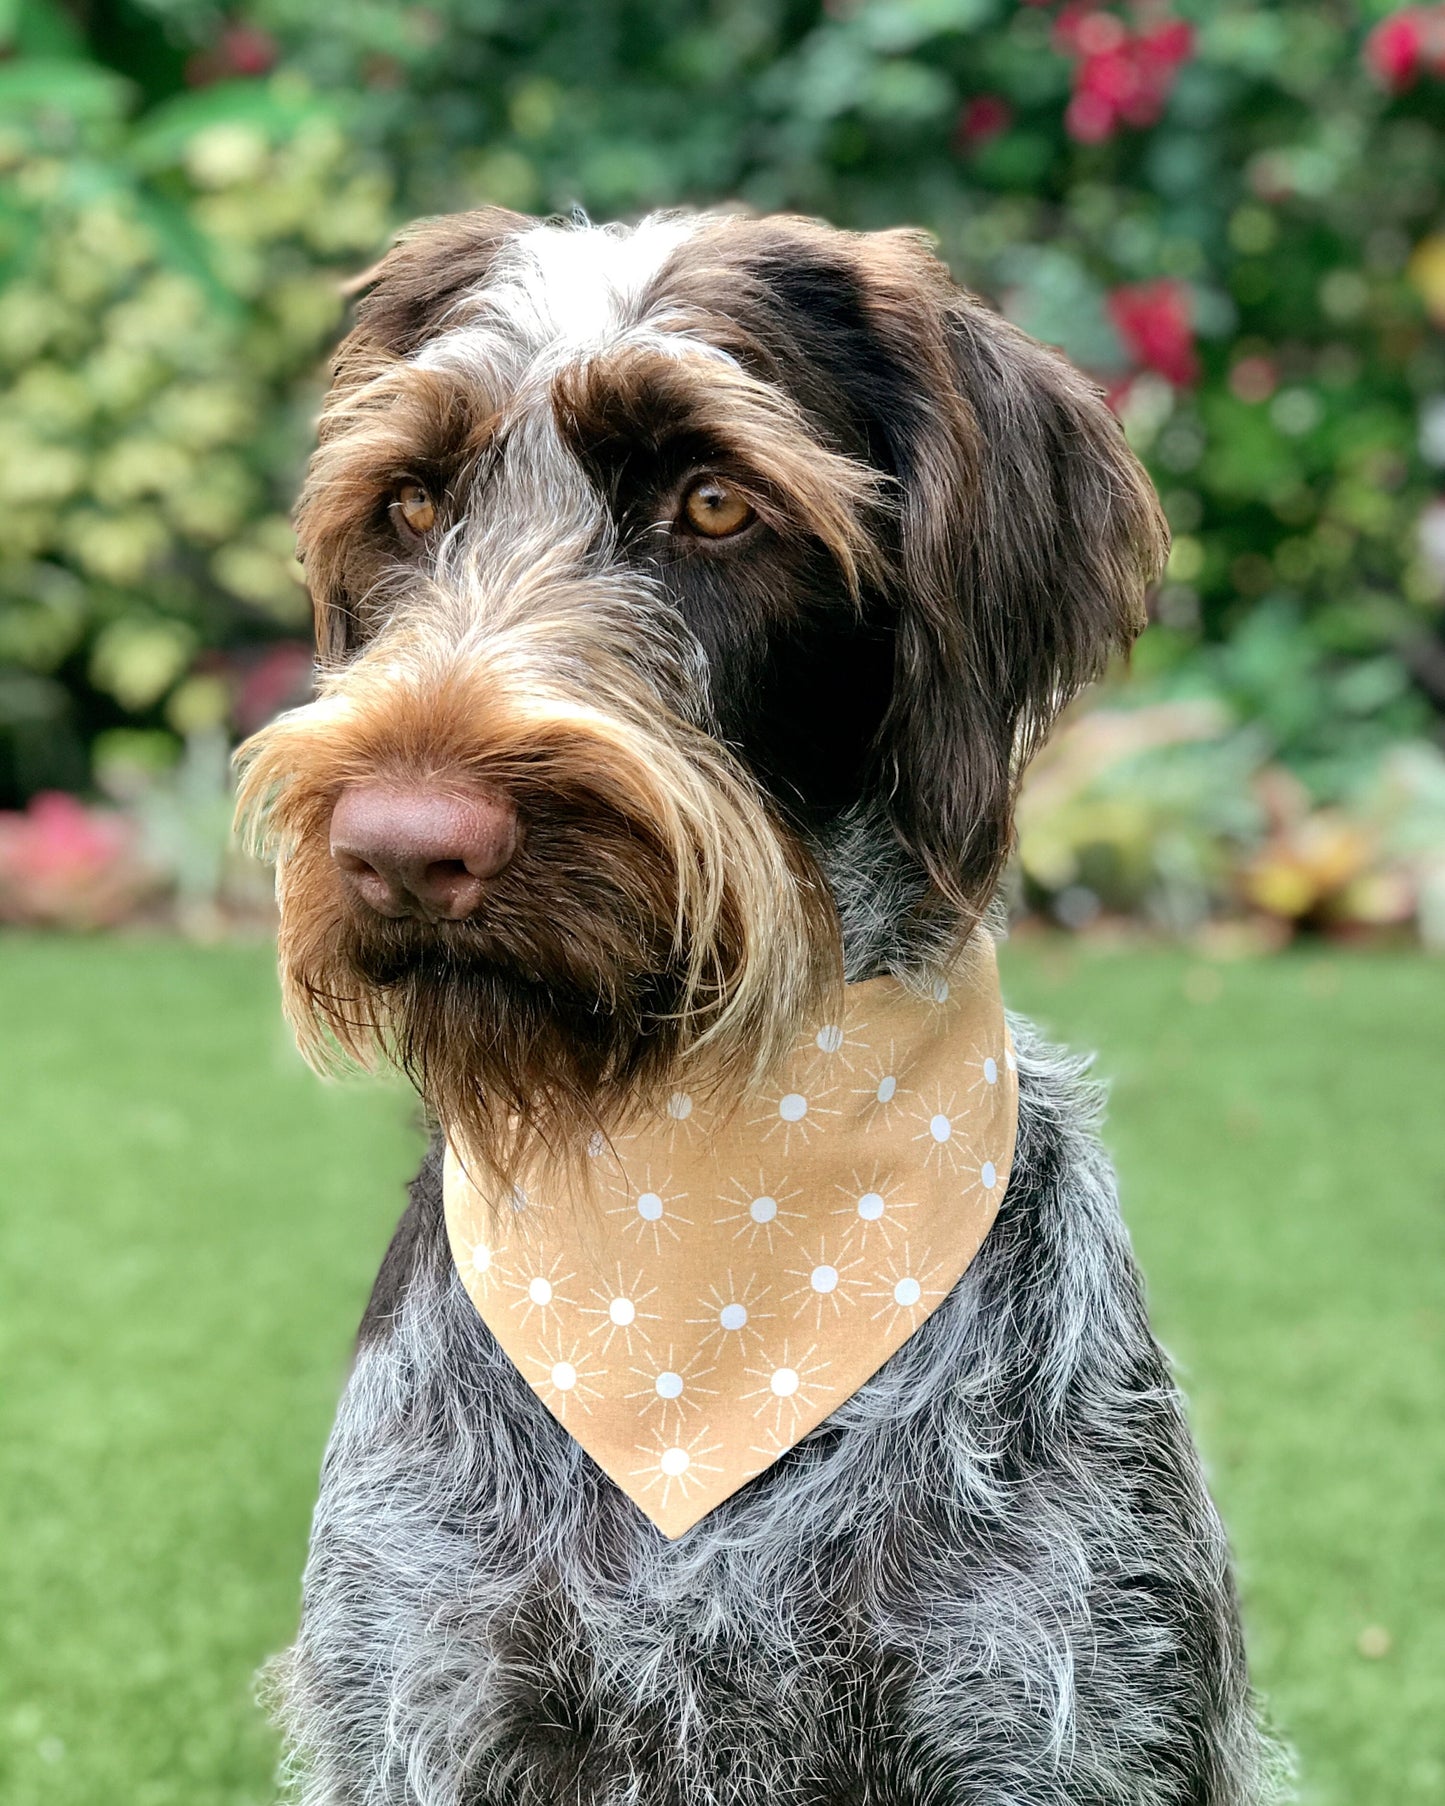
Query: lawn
{"x":191,"y":1223}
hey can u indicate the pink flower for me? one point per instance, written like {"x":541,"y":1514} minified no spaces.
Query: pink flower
{"x":982,"y":119}
{"x":1395,"y":49}
{"x":1089,"y":119}
{"x":247,"y":50}
{"x":1253,"y":379}
{"x":1099,"y":34}
{"x":1122,"y":77}
{"x":65,"y":865}
{"x":1071,"y":21}
{"x":58,"y":837}
{"x":239,"y":50}
{"x":1153,"y":320}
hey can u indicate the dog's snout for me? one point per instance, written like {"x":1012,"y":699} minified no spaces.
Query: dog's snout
{"x":414,"y":852}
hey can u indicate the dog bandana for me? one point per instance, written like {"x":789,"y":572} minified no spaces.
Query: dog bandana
{"x":739,"y":1275}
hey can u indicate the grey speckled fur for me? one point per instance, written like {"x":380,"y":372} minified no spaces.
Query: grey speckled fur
{"x":993,"y":1577}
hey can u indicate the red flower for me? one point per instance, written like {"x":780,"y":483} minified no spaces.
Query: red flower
{"x":1395,"y":49}
{"x":983,"y":118}
{"x":1071,"y":21}
{"x":1089,"y":119}
{"x":240,"y":50}
{"x":1152,"y":318}
{"x":246,"y":50}
{"x":1408,"y":44}
{"x":59,"y":837}
{"x":1123,"y":77}
{"x":1098,"y":34}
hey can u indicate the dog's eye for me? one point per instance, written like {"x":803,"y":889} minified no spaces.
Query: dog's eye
{"x":414,"y":508}
{"x":714,"y":509}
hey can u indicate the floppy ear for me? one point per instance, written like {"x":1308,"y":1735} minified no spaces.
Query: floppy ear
{"x":1030,"y":535}
{"x":432,"y":263}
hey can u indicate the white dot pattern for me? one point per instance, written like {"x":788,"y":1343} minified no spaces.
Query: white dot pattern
{"x":743,"y":1274}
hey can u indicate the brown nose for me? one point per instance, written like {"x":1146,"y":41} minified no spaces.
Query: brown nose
{"x":420,"y":852}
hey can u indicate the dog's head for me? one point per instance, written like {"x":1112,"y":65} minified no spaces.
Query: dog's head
{"x":682,"y":593}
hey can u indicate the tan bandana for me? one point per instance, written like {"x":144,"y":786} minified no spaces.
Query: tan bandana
{"x":735,"y":1281}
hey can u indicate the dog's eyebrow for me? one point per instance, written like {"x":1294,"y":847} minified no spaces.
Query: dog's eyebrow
{"x":637,"y":396}
{"x":489,"y":352}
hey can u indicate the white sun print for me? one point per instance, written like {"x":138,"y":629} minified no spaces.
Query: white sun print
{"x":943,"y":1131}
{"x":988,"y":1175}
{"x":622,"y":1311}
{"x":873,"y":1211}
{"x":484,"y":1266}
{"x":668,"y":1391}
{"x":539,"y":1287}
{"x":785,"y":1388}
{"x":793,"y":1117}
{"x":676,"y":1464}
{"x":986,"y":1067}
{"x":823,"y":1283}
{"x":563,"y":1376}
{"x":731,"y":1315}
{"x":880,"y":1093}
{"x":681,"y":1119}
{"x":647,"y":1210}
{"x":759,"y":1213}
{"x":905,"y":1291}
{"x":832,"y":1052}
{"x":604,"y":1163}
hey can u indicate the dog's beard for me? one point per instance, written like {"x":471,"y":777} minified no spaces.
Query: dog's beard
{"x":657,"y":929}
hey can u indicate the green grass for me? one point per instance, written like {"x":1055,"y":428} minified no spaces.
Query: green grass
{"x":190,"y":1224}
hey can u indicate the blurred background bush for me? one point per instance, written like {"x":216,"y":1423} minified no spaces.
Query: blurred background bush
{"x":1231,"y":214}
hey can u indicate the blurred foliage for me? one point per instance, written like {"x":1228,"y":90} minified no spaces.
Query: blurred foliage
{"x":1232,"y":213}
{"x":1179,"y":814}
{"x":171,"y":278}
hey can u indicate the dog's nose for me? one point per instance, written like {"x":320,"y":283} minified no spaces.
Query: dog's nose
{"x":424,"y":853}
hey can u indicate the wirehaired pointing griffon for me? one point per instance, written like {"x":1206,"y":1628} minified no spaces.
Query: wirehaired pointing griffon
{"x":756,"y":1405}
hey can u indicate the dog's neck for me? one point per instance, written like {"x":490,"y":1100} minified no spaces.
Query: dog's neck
{"x":882,"y":897}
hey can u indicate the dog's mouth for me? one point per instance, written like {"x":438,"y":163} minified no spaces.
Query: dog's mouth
{"x":582,"y":911}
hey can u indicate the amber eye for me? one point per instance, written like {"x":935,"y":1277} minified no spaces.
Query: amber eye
{"x":715,"y":509}
{"x":415,"y":507}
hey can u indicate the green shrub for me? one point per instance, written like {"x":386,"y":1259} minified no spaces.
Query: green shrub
{"x":171,"y":281}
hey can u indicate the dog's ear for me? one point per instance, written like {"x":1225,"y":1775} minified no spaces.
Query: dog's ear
{"x":1030,"y":535}
{"x":405,"y":298}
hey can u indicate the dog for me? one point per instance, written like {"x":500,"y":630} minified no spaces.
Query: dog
{"x":689,"y":599}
